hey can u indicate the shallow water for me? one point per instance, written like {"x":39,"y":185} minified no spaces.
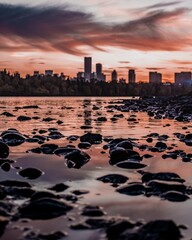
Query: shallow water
{"x":75,"y":112}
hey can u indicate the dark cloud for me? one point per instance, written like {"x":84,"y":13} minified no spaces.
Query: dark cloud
{"x":60,"y":29}
{"x":162,"y":5}
{"x":181,"y":62}
{"x":155,"y":68}
{"x":124,"y":62}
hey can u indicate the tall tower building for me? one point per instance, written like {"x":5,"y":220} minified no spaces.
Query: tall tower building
{"x":183,"y":78}
{"x":155,"y":77}
{"x":99,"y":72}
{"x":114,"y":76}
{"x":132,"y":76}
{"x":88,"y":68}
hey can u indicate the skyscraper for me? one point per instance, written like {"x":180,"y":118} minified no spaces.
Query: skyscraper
{"x":99,"y":69}
{"x":87,"y":68}
{"x":131,"y":76}
{"x":114,"y":76}
{"x":155,"y":77}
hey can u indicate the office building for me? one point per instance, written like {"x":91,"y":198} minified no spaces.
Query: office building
{"x":155,"y":77}
{"x":88,"y":68}
{"x":131,"y":76}
{"x":48,"y":72}
{"x":114,"y":76}
{"x":183,"y":78}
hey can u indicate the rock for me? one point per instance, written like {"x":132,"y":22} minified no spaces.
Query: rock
{"x":93,"y":211}
{"x":14,"y":183}
{"x":165,"y":176}
{"x":43,"y":194}
{"x":48,"y":119}
{"x":60,"y":187}
{"x":76,"y":159}
{"x":23,"y":118}
{"x":149,"y":140}
{"x":132,"y":189}
{"x":13,"y":138}
{"x":113,"y":178}
{"x":64,"y":151}
{"x":115,"y":229}
{"x":84,"y":145}
{"x":72,"y":138}
{"x":3,"y":223}
{"x":8,"y":114}
{"x":159,"y":186}
{"x":31,"y":107}
{"x":120,"y":154}
{"x":44,"y":208}
{"x":48,"y":148}
{"x":92,"y":138}
{"x":80,"y":192}
{"x":125,"y":144}
{"x":19,"y":192}
{"x":174,"y":196}
{"x":6,"y":166}
{"x":130,"y":165}
{"x":101,"y":119}
{"x":159,"y":230}
{"x":4,"y":150}
{"x":161,"y":146}
{"x":31,"y":173}
{"x":55,"y":135}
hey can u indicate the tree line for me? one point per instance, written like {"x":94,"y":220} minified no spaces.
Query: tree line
{"x":14,"y":85}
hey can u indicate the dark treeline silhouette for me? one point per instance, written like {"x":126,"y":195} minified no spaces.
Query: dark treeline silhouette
{"x":14,"y":85}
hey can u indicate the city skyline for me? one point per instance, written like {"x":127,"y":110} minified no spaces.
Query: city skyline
{"x":123,"y":35}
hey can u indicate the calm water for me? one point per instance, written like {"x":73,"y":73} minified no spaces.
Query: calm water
{"x":75,"y":112}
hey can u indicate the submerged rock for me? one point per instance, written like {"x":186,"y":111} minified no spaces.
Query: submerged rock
{"x":131,"y":165}
{"x":13,"y":138}
{"x":76,"y":159}
{"x":92,"y":138}
{"x":113,"y":178}
{"x":4,"y":150}
{"x":133,"y":189}
{"x":30,"y":173}
{"x":93,"y":211}
{"x":174,"y":196}
{"x":44,"y":208}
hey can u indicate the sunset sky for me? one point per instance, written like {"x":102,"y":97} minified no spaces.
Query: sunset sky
{"x":145,"y":35}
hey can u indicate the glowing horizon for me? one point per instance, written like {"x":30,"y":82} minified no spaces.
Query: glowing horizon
{"x":146,"y":36}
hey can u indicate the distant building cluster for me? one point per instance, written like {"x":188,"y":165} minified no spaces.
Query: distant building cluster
{"x":88,"y":75}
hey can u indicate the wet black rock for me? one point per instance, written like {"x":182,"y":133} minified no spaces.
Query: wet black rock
{"x":6,"y":166}
{"x":30,"y":173}
{"x":93,"y":211}
{"x":149,"y":140}
{"x":13,"y":138}
{"x":131,"y":165}
{"x":32,"y":235}
{"x":101,"y":119}
{"x":31,"y":107}
{"x":4,"y":150}
{"x":72,"y":138}
{"x":174,"y":196}
{"x":161,"y":146}
{"x":7,"y":114}
{"x":154,"y":230}
{"x":165,"y":176}
{"x":48,"y":119}
{"x":43,"y":194}
{"x":132,"y":189}
{"x":19,"y":192}
{"x":115,"y":229}
{"x":113,"y":178}
{"x":64,"y":150}
{"x":59,"y":187}
{"x":3,"y":223}
{"x":76,"y":159}
{"x":84,"y":145}
{"x":44,"y":208}
{"x":92,"y":138}
{"x":14,"y":183}
{"x":48,"y":148}
{"x":125,"y":144}
{"x":80,"y":192}
{"x":120,"y":154}
{"x":159,"y":186}
{"x":86,"y":127}
{"x":55,"y":135}
{"x":23,"y":118}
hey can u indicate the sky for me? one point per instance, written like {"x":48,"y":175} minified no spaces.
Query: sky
{"x":145,"y":35}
